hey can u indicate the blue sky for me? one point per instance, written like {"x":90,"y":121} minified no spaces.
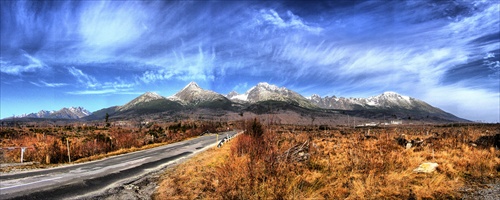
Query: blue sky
{"x":98,"y":54}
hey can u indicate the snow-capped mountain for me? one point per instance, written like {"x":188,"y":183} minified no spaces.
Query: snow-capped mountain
{"x":39,"y":114}
{"x":385,"y":101}
{"x":265,"y":92}
{"x":146,"y":97}
{"x":64,"y":113}
{"x":259,"y":99}
{"x":237,"y":98}
{"x":194,"y":95}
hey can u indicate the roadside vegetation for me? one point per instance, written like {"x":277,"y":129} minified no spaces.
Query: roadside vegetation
{"x":48,"y":145}
{"x":319,"y":162}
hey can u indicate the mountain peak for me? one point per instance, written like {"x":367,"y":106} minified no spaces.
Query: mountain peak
{"x":152,"y":95}
{"x":146,"y":97}
{"x":394,"y":95}
{"x":193,"y":94}
{"x":315,"y":96}
{"x":264,"y":92}
{"x":63,"y":113}
{"x":267,"y":86}
{"x":192,"y":85}
{"x":232,"y":94}
{"x":390,"y":93}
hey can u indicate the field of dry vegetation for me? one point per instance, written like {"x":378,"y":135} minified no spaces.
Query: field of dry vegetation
{"x":48,"y":144}
{"x":299,"y":162}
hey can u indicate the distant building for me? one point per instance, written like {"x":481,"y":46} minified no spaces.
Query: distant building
{"x":396,"y":122}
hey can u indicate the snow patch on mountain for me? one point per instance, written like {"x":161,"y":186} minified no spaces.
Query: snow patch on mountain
{"x":386,"y":100}
{"x":235,"y":96}
{"x":193,"y":94}
{"x":64,"y":113}
{"x":264,"y":92}
{"x":146,"y":97}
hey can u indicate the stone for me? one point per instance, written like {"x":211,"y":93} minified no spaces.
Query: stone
{"x":427,"y":167}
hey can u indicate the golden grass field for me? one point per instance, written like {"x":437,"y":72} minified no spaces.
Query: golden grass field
{"x":48,"y":145}
{"x":291,"y":162}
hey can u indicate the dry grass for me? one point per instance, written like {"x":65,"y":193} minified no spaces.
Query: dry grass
{"x":193,"y":178}
{"x":48,"y":145}
{"x":343,"y":164}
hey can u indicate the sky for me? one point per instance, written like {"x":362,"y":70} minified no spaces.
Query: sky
{"x":98,"y":54}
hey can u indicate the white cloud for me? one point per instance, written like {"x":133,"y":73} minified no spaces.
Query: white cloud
{"x":32,"y":64}
{"x":470,"y":103}
{"x":45,"y":84}
{"x":294,"y":21}
{"x":184,"y":65}
{"x":103,"y":91}
{"x":108,"y":24}
{"x":112,"y":87}
{"x":85,"y":79}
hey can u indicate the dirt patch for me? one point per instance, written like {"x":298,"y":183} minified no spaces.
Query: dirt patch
{"x":142,"y":188}
{"x":483,"y":192}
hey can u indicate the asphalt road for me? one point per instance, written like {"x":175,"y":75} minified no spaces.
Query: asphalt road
{"x":87,"y":180}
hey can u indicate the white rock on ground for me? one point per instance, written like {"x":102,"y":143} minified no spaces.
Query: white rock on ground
{"x":427,"y":167}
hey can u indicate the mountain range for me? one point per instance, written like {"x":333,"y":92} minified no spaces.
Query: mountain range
{"x":64,"y":113}
{"x":263,"y":98}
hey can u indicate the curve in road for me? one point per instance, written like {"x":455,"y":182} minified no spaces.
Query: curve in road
{"x":85,"y":180}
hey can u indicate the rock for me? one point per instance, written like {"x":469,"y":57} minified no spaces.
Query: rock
{"x":427,"y":167}
{"x":408,"y":145}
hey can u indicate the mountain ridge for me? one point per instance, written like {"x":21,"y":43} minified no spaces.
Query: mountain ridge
{"x":264,"y":91}
{"x":266,"y":98}
{"x":194,"y":96}
{"x":63,"y":113}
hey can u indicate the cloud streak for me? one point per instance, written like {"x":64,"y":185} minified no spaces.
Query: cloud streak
{"x":27,"y":63}
{"x":344,"y":49}
{"x":45,"y":84}
{"x":84,"y":79}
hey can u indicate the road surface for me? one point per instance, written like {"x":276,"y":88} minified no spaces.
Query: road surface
{"x":87,"y":180}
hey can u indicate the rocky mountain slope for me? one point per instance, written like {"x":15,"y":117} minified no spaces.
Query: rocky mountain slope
{"x":194,"y":96}
{"x":261,"y":99}
{"x":388,"y":101}
{"x":64,"y":113}
{"x":266,"y":92}
{"x":144,"y":98}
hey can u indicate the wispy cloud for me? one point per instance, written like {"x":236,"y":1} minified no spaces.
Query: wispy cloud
{"x":103,"y":91}
{"x":118,"y":86}
{"x":463,"y":101}
{"x":27,"y":63}
{"x":102,"y":27}
{"x":85,"y":79}
{"x":45,"y":84}
{"x":359,"y":48}
{"x":270,"y":16}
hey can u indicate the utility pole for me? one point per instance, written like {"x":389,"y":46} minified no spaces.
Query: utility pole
{"x":67,"y":144}
{"x":22,"y":153}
